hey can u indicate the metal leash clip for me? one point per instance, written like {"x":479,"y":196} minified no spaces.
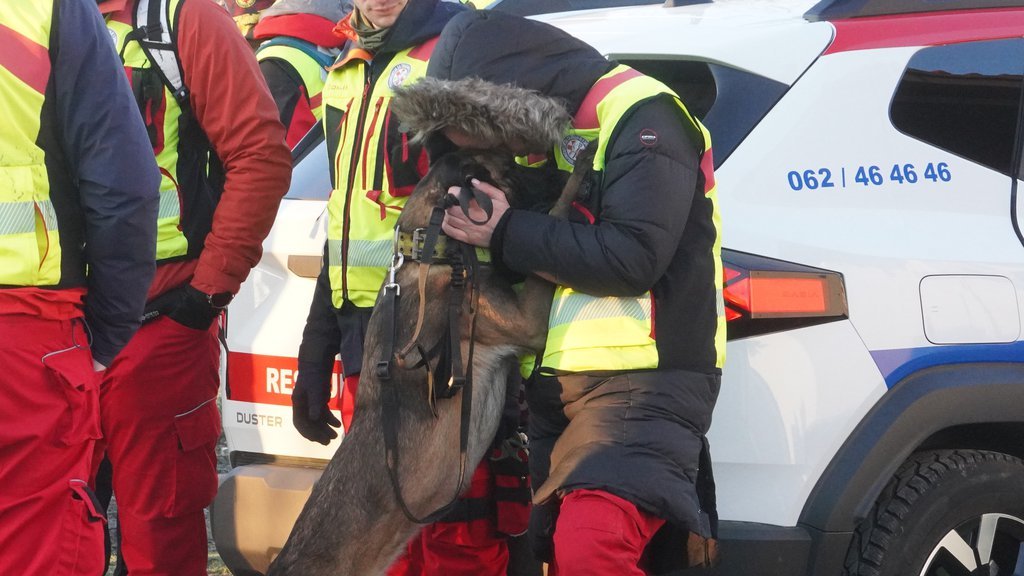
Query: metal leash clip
{"x":397,"y":259}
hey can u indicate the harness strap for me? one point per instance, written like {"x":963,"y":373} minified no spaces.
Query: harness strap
{"x":463,"y":273}
{"x":411,"y":246}
{"x":389,"y":401}
{"x":426,"y":259}
{"x":456,"y":295}
{"x":160,"y":45}
{"x":388,"y":305}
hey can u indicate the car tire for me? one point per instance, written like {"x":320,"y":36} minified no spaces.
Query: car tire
{"x":949,"y":512}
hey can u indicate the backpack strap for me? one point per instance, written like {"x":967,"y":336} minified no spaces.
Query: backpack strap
{"x":160,"y":44}
{"x":307,"y":48}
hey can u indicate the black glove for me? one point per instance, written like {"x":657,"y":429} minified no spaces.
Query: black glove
{"x":185,"y":305}
{"x":311,"y":414}
{"x":193,"y":310}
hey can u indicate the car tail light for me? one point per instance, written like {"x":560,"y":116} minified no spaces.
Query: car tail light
{"x":763,"y":295}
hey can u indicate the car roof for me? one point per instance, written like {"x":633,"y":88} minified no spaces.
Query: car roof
{"x":779,"y":39}
{"x":533,"y":7}
{"x":770,"y":38}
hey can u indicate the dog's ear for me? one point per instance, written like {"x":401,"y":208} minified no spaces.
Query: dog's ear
{"x":437,"y":146}
{"x":536,"y":188}
{"x":485,"y":168}
{"x":445,"y":172}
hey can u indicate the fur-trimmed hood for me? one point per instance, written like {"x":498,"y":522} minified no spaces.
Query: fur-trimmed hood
{"x":502,"y":79}
{"x":496,"y":115}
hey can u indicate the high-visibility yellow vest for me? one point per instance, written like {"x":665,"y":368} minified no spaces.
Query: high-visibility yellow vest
{"x":30,"y":233}
{"x":365,"y":201}
{"x":181,"y":147}
{"x":312,"y":73}
{"x":588,"y":333}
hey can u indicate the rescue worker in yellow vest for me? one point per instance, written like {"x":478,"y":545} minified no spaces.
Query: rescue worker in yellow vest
{"x":297,"y":45}
{"x":628,"y":378}
{"x":225,"y":169}
{"x":78,"y":207}
{"x":374,"y":167}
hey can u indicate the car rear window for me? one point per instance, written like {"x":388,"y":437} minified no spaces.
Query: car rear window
{"x":729,"y":102}
{"x":964,"y":98}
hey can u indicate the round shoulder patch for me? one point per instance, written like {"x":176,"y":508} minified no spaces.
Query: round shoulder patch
{"x":648,"y":137}
{"x":571,"y":146}
{"x":399,"y":74}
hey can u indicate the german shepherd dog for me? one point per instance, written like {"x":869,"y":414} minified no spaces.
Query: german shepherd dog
{"x":356,"y":522}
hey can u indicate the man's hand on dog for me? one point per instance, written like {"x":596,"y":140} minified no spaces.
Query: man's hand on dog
{"x":456,"y":225}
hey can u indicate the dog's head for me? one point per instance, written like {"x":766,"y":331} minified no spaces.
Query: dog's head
{"x":501,"y":120}
{"x":527,"y":188}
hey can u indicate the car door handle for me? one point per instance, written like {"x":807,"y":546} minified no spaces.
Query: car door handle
{"x":305,"y":266}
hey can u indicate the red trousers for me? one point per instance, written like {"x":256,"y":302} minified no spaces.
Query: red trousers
{"x":49,"y":421}
{"x":458,"y":548}
{"x":158,"y":403}
{"x":600,"y":534}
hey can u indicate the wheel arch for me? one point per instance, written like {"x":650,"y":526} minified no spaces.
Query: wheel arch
{"x":971,"y":405}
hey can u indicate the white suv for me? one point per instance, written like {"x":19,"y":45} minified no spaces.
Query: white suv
{"x":868,"y":159}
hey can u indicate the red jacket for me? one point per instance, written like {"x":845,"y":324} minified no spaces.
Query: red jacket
{"x":232,"y":104}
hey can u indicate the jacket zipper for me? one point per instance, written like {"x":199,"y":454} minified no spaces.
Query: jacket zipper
{"x":369,"y":135}
{"x":368,"y":77}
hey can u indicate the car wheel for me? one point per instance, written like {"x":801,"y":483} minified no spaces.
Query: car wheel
{"x":945,"y":513}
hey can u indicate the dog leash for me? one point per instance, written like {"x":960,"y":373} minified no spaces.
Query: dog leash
{"x":464,"y":266}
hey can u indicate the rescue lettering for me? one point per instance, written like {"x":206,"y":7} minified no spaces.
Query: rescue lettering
{"x":270,"y":379}
{"x":282,"y":381}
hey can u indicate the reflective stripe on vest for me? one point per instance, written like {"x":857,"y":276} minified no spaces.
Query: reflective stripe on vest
{"x":30,"y":252}
{"x":170,"y":240}
{"x":587,"y":333}
{"x":361,"y":220}
{"x":312,"y":74}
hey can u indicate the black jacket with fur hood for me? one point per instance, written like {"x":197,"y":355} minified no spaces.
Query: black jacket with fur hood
{"x":653,"y":228}
{"x":638,"y":435}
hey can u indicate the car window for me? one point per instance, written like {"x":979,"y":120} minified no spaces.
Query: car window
{"x":964,"y":98}
{"x":729,"y":102}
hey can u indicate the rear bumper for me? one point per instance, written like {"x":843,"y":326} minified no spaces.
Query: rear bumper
{"x":255,"y":509}
{"x":257,"y":505}
{"x":751,"y":549}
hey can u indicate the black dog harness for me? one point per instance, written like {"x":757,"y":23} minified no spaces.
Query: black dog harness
{"x":430,"y":246}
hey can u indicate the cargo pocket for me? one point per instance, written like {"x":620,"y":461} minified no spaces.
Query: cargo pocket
{"x":81,"y":538}
{"x":195,"y":470}
{"x":72,"y":372}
